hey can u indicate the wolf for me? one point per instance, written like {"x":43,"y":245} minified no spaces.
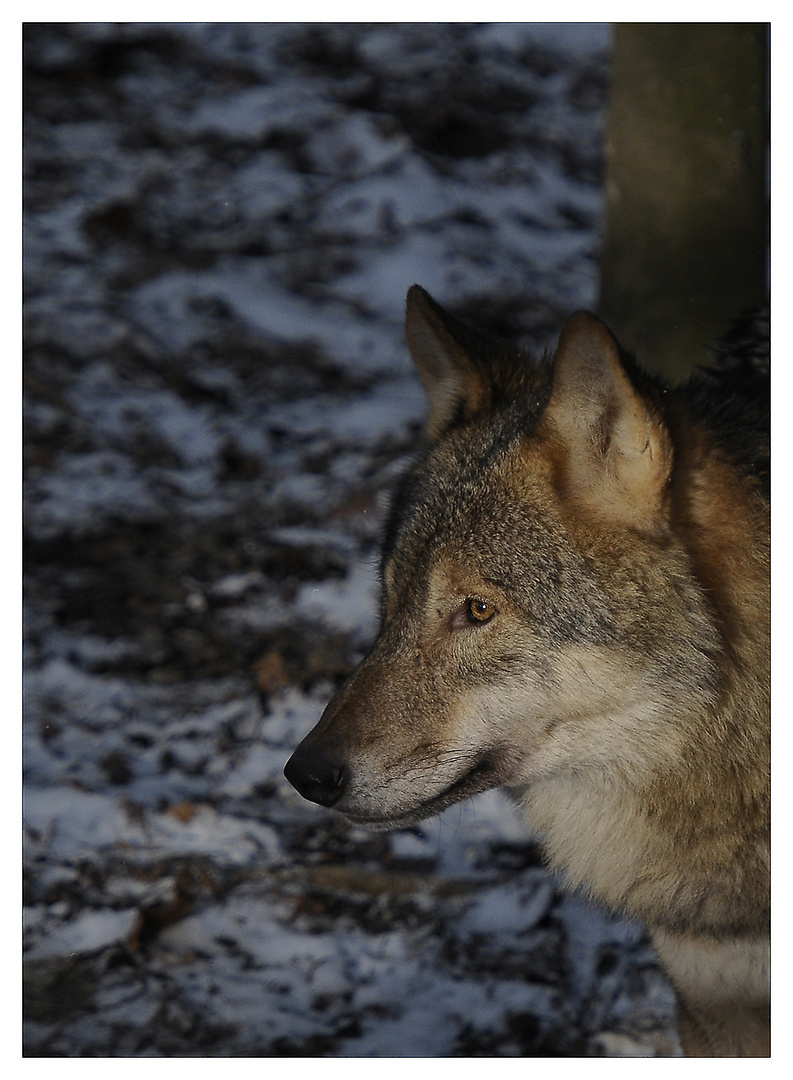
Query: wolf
{"x":576,"y":608}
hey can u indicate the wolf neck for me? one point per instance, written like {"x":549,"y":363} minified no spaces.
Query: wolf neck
{"x":661,"y":843}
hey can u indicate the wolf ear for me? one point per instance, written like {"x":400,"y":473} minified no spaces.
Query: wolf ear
{"x":448,"y":370}
{"x":616,"y":448}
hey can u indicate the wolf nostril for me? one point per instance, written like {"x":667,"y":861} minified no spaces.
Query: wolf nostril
{"x":317,"y":777}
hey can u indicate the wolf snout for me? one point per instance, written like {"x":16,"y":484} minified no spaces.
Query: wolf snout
{"x":316,"y":775}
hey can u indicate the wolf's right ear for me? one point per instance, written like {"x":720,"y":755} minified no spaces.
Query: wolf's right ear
{"x":453,"y":384}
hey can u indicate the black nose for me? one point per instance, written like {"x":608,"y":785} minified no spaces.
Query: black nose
{"x":316,"y":776}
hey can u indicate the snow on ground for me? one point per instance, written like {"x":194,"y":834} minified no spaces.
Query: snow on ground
{"x":221,"y":225}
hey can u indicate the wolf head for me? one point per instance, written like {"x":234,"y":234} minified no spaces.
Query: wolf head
{"x":538,"y":614}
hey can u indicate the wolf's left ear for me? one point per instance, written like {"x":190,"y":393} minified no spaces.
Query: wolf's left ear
{"x":617,"y":452}
{"x":450,"y":375}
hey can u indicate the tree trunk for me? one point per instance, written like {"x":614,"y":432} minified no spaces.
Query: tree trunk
{"x":686,"y":239}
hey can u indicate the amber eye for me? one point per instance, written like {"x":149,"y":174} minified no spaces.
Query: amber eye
{"x":479,"y":611}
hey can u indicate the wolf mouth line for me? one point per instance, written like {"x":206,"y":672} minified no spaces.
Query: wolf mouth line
{"x":482,"y":776}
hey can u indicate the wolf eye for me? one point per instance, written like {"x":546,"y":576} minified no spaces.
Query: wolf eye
{"x":479,"y":611}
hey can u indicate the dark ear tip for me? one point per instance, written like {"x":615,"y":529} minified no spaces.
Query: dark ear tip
{"x":582,"y":319}
{"x":584,"y":322}
{"x":419,"y":299}
{"x":583,"y":329}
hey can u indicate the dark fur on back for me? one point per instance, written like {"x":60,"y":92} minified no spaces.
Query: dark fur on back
{"x":733,"y":396}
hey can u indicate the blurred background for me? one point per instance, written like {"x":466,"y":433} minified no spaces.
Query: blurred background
{"x":221,"y":224}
